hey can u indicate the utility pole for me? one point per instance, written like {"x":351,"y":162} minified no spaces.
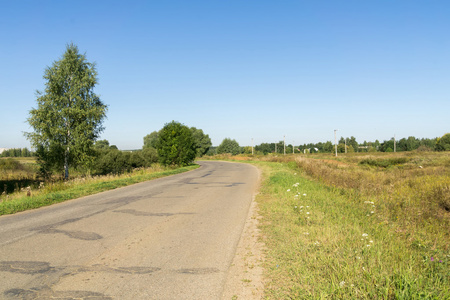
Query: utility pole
{"x":275,"y":147}
{"x":284,"y":144}
{"x":335,"y":142}
{"x":293,"y":147}
{"x":252,"y":146}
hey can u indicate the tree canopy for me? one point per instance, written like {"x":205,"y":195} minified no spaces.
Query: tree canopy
{"x":69,"y":115}
{"x":229,"y":146}
{"x":150,"y":140}
{"x":201,"y":140}
{"x":176,"y":145}
{"x":443,"y":143}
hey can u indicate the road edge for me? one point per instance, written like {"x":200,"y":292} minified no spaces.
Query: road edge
{"x":245,"y":276}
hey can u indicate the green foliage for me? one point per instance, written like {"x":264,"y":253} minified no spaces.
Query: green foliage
{"x":10,"y":164}
{"x":101,"y":145}
{"x":409,"y":144}
{"x":176,"y":145}
{"x":265,"y":148}
{"x":69,"y":114}
{"x":328,"y":147}
{"x":150,"y":155}
{"x":114,"y":161}
{"x":151,"y":140}
{"x":384,"y":163}
{"x":443,"y":143}
{"x":229,"y":146}
{"x":201,"y":140}
{"x":17,"y":152}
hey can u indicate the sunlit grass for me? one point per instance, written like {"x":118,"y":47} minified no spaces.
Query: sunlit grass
{"x":342,"y":228}
{"x":323,"y":243}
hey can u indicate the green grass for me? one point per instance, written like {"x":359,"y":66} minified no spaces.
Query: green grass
{"x":62,"y":191}
{"x":331,"y":243}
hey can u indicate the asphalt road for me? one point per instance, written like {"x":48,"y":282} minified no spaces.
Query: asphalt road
{"x":170,"y":238}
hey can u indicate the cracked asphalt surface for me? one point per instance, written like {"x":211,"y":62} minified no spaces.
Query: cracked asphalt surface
{"x":170,"y":238}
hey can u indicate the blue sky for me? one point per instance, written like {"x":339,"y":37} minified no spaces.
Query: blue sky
{"x":239,"y":69}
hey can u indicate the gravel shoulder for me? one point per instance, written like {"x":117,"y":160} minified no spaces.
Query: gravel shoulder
{"x":245,"y":278}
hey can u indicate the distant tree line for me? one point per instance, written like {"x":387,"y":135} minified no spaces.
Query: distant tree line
{"x":344,"y":145}
{"x":17,"y":152}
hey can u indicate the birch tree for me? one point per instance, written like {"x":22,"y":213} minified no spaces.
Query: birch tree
{"x":69,"y":115}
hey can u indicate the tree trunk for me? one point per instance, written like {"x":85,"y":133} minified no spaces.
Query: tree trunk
{"x":66,"y":164}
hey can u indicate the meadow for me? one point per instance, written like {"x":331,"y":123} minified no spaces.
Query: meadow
{"x":359,"y":226}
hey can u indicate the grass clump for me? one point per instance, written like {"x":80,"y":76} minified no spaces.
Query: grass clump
{"x":384,"y":163}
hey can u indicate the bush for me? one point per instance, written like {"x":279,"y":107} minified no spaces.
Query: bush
{"x":229,"y":146}
{"x":150,"y":155}
{"x":112,"y":162}
{"x":10,"y":165}
{"x":176,"y":145}
{"x":384,"y":163}
{"x":443,"y":143}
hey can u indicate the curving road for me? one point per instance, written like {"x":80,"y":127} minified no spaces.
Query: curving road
{"x":170,"y":238}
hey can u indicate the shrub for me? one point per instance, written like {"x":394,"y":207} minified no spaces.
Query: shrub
{"x":229,"y":146}
{"x":384,"y":163}
{"x":150,"y":155}
{"x":176,"y":145}
{"x":443,"y":143}
{"x":112,"y":162}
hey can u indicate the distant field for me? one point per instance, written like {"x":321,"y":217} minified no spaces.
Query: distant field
{"x":17,"y":173}
{"x":359,"y":226}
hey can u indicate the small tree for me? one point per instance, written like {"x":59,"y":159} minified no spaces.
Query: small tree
{"x":150,"y":140}
{"x":201,"y":140}
{"x":176,"y":145}
{"x":229,"y":146}
{"x":443,"y":143}
{"x":69,"y":115}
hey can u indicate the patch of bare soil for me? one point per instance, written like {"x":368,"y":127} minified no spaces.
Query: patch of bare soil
{"x":245,"y":277}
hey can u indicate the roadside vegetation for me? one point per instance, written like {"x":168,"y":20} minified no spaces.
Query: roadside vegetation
{"x":359,"y":226}
{"x":49,"y":192}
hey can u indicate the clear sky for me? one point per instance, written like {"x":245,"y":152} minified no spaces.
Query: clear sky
{"x":239,"y":69}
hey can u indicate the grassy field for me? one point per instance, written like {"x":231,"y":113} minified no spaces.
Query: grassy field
{"x":356,"y":227}
{"x":33,"y":194}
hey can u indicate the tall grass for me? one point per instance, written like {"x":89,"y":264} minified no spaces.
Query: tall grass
{"x":347,"y":229}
